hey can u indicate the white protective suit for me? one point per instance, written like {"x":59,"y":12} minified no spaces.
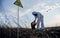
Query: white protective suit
{"x":40,"y":19}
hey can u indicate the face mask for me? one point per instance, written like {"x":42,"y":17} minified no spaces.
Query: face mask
{"x":36,"y":16}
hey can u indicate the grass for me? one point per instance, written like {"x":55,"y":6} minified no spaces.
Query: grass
{"x":52,"y":32}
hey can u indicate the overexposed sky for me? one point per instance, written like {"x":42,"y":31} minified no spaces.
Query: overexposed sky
{"x":49,"y":8}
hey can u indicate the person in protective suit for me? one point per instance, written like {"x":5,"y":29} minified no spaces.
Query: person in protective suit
{"x":40,"y":20}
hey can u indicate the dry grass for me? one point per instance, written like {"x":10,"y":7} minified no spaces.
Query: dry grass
{"x":52,"y":32}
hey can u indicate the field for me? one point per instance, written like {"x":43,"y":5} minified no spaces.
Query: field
{"x":50,"y":32}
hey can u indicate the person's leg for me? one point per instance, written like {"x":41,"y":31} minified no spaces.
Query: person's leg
{"x":42,"y":24}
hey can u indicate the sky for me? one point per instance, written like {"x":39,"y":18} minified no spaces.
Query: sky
{"x":50,"y":9}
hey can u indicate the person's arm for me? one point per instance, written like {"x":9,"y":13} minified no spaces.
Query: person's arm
{"x":35,"y":19}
